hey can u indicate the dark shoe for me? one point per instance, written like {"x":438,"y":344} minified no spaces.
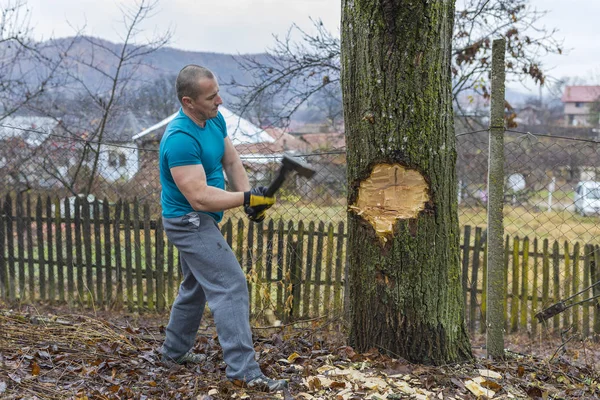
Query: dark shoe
{"x":187,"y":358}
{"x":264,"y":384}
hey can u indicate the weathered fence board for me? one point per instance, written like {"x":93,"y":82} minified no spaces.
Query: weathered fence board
{"x":4,"y":281}
{"x":21,"y":242}
{"x":30,"y":263}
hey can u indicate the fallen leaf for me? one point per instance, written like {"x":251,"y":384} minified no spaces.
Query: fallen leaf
{"x":478,"y":390}
{"x":491,"y":385}
{"x":534,"y":392}
{"x":337,"y":385}
{"x":43,"y":354}
{"x":35,"y":369}
{"x":458,"y":383}
{"x":292,"y":357}
{"x":2,"y":387}
{"x":314,"y":384}
{"x":405,"y":388}
{"x":325,"y":368}
{"x":487,"y":373}
{"x":520,"y":371}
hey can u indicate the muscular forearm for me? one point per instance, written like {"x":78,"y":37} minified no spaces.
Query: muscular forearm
{"x":214,"y":199}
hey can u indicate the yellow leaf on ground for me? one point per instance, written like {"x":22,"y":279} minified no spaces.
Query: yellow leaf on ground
{"x":488,"y":373}
{"x":323,"y":369}
{"x":478,"y":390}
{"x":292,"y":357}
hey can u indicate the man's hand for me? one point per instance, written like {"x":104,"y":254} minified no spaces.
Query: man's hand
{"x":256,"y":203}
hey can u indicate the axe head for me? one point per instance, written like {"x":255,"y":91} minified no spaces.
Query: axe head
{"x":291,"y":164}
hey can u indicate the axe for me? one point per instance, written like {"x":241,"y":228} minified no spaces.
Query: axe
{"x":288,"y":164}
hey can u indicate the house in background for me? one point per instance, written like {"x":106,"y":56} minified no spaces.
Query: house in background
{"x":529,"y":115}
{"x":119,"y":155}
{"x":22,"y":140}
{"x":578,"y":101}
{"x":40,"y":151}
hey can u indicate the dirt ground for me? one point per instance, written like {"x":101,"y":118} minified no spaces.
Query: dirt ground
{"x":52,"y":353}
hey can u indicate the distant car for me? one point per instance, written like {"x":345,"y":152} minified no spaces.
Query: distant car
{"x":587,"y":198}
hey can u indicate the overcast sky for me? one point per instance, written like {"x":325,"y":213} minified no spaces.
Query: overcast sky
{"x":247,"y":26}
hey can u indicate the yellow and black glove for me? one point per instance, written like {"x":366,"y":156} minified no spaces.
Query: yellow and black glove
{"x":256,"y":203}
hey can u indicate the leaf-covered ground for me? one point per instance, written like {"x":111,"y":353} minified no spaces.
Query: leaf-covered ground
{"x":57,"y":355}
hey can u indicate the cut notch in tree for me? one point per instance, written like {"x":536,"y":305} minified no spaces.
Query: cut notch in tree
{"x":391,"y":192}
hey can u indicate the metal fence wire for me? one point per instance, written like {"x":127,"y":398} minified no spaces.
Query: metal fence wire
{"x":551,"y":208}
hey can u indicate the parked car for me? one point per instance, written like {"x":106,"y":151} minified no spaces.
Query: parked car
{"x":587,"y":198}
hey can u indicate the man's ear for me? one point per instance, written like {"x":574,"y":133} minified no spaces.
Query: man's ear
{"x":186,"y":101}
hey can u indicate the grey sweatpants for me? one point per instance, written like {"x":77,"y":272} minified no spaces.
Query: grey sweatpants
{"x":211,"y":273}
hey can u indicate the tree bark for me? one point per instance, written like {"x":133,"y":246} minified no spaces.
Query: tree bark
{"x":405,"y":277}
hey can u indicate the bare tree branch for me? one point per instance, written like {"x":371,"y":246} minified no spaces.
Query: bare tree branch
{"x":292,"y":71}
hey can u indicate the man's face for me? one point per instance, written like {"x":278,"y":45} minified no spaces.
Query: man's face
{"x":206,"y":105}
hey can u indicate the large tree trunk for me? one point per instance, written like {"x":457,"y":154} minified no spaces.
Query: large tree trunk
{"x":405,"y":285}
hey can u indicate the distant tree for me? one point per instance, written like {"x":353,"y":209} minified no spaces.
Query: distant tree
{"x":260,"y":112}
{"x":294,"y":71}
{"x":156,"y":99}
{"x":27,"y":68}
{"x":594,"y":118}
{"x":329,"y":101}
{"x":86,"y":117}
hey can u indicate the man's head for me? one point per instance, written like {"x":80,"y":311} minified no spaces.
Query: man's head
{"x":198,"y":92}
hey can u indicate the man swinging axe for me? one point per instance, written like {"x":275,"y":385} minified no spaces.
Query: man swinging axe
{"x":195,"y":153}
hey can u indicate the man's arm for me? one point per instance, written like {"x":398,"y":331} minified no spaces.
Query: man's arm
{"x":236,"y":174}
{"x":191,"y":181}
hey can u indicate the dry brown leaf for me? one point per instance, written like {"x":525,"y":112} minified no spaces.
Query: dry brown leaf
{"x":314,"y":384}
{"x":491,"y":385}
{"x":35,"y":369}
{"x":114,"y":388}
{"x":337,"y":385}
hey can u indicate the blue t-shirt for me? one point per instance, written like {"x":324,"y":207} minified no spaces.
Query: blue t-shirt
{"x":185,"y":143}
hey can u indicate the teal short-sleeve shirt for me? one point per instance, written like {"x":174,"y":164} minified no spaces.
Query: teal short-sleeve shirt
{"x":186,"y":143}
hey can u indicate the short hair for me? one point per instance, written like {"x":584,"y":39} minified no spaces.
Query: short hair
{"x":187,"y":81}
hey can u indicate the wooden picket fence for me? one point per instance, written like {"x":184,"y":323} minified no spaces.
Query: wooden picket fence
{"x":113,"y":257}
{"x":539,"y":273}
{"x":117,"y":256}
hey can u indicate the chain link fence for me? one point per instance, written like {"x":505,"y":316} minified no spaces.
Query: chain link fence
{"x":551,"y":209}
